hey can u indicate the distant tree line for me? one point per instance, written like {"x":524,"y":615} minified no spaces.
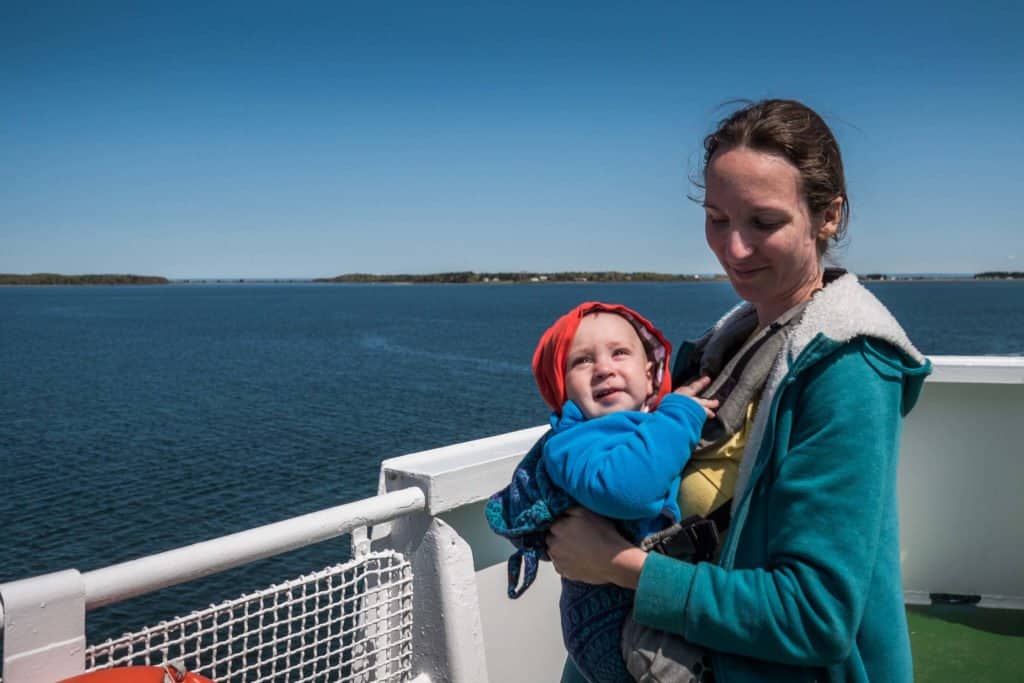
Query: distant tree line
{"x":58,"y":279}
{"x":990,"y":275}
{"x":1000,"y":275}
{"x":903,"y":278}
{"x":467,"y":276}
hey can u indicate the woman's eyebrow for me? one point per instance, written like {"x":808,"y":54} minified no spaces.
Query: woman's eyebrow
{"x":757,"y":208}
{"x":771,"y":209}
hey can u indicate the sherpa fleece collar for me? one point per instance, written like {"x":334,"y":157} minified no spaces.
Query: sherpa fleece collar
{"x":843,"y":310}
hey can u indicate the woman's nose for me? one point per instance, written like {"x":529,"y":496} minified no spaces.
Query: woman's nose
{"x":737,"y":245}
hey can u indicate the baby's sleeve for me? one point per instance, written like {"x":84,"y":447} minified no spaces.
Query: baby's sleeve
{"x":626,"y":465}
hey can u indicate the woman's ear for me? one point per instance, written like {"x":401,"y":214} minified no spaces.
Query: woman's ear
{"x":831,"y":217}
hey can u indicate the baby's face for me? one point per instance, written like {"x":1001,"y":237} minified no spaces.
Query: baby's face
{"x":607,"y":368}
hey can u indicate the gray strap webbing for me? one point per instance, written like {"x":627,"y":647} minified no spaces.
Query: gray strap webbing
{"x":743,"y":376}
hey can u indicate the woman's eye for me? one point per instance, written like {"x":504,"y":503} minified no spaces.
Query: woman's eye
{"x":716,"y":220}
{"x":767,"y":223}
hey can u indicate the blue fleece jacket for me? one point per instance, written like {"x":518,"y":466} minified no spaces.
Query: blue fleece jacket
{"x":625,"y":465}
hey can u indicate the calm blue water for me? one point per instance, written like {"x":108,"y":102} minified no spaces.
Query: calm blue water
{"x":137,"y":419}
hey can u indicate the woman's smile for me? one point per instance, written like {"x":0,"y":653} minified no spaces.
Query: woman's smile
{"x":746,"y":271}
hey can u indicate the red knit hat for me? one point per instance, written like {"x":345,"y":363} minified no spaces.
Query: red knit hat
{"x":550,"y":357}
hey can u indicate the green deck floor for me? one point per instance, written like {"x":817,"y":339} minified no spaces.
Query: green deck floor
{"x":965,"y":643}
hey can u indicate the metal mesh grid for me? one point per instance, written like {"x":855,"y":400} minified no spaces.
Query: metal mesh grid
{"x":349,"y":622}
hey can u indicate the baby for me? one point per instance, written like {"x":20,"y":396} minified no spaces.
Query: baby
{"x":617,"y":443}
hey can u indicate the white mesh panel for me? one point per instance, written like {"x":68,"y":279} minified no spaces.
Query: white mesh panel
{"x":350,"y":622}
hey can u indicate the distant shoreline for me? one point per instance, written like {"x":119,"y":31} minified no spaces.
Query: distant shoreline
{"x":522,"y":277}
{"x":470,"y":277}
{"x":464,"y":277}
{"x":98,"y":279}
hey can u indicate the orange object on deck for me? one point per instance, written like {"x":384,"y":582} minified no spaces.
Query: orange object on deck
{"x":139,"y":674}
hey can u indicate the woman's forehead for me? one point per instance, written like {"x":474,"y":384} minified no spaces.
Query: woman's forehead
{"x":755,"y":177}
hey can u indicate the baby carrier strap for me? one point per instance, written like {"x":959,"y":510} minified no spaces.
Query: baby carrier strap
{"x":739,"y":363}
{"x":522,"y":566}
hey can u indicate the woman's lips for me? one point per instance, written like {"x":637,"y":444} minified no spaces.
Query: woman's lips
{"x":747,"y":272}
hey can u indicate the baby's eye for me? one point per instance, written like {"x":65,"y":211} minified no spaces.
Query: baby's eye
{"x":621,"y":352}
{"x":579,"y":360}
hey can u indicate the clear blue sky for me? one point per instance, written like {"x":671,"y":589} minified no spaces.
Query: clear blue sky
{"x":254,"y":139}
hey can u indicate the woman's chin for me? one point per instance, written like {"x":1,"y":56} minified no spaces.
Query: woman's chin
{"x":746,"y":288}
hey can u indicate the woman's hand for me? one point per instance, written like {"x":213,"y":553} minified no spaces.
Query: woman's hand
{"x":694,"y":388}
{"x":586,"y":547}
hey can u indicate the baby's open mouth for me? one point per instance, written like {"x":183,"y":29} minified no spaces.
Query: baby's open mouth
{"x":605,"y":392}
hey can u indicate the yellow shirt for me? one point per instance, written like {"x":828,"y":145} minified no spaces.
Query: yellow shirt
{"x":709,"y":478}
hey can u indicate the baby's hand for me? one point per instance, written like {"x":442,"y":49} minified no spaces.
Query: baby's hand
{"x":695,"y":387}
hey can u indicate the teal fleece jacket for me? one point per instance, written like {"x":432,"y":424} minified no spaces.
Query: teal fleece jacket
{"x":808,"y":585}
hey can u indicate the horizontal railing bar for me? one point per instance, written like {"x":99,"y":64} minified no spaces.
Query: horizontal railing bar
{"x":977,"y":369}
{"x":977,"y":360}
{"x":147,"y":574}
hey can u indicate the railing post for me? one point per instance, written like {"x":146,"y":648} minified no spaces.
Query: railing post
{"x":44,"y":628}
{"x":447,"y":642}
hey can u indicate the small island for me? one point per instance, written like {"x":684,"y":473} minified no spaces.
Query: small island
{"x":1000,"y":275}
{"x":988,"y":275}
{"x":471,"y":277}
{"x":58,"y":279}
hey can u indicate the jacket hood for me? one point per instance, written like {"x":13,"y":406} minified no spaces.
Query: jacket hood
{"x":844,"y":310}
{"x":552,"y":350}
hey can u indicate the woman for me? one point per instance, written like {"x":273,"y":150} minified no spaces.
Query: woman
{"x":806,"y":582}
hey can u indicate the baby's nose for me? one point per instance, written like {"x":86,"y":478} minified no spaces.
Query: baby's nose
{"x":603,"y":366}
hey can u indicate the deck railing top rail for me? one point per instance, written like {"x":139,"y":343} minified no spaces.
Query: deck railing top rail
{"x":977,"y":369}
{"x":43,"y":616}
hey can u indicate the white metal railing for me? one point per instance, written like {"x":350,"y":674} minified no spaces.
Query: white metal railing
{"x":145,"y":575}
{"x":350,"y":622}
{"x":977,"y":370}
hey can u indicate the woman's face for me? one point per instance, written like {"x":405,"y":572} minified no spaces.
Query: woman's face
{"x":760,"y":228}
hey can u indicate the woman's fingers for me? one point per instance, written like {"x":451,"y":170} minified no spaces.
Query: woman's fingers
{"x":582,"y":545}
{"x":586,"y":547}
